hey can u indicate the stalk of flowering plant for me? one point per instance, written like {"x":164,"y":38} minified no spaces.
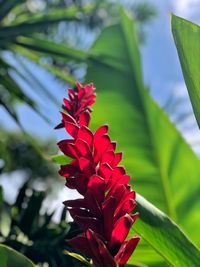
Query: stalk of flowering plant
{"x":105,"y":212}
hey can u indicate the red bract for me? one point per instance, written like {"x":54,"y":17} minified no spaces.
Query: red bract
{"x":104,"y":211}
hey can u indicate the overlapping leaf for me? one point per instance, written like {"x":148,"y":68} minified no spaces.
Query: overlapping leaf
{"x":187,"y":40}
{"x":164,"y":168}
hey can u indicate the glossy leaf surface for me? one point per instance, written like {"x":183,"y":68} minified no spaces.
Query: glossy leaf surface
{"x":187,"y":39}
{"x":158,"y":158}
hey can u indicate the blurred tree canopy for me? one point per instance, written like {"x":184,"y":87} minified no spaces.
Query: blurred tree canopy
{"x":45,"y":32}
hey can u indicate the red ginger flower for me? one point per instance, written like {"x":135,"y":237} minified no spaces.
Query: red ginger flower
{"x":103,"y":213}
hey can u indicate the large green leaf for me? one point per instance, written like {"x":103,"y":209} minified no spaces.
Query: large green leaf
{"x":187,"y":40}
{"x":11,"y":258}
{"x":164,"y":167}
{"x":164,"y":236}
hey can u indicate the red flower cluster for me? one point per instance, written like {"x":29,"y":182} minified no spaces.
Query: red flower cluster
{"x":104,"y":211}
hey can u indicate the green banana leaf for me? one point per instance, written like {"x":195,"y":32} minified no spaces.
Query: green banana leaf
{"x":187,"y":39}
{"x":160,"y":232}
{"x":164,"y":168}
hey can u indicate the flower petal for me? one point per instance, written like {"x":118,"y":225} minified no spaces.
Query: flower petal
{"x":120,"y":231}
{"x":89,"y":222}
{"x":81,"y":243}
{"x":86,"y":135}
{"x":86,"y":167}
{"x":126,"y":250}
{"x":96,"y":186}
{"x":68,"y":148}
{"x":71,"y":128}
{"x":83,"y":149}
{"x":101,"y":131}
{"x":84,"y":118}
{"x":108,"y":208}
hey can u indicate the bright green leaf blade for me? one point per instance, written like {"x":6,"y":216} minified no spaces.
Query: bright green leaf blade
{"x":141,"y":128}
{"x":165,"y":236}
{"x":187,"y":40}
{"x":61,"y":159}
{"x":156,"y":155}
{"x":146,"y":255}
{"x":11,"y":258}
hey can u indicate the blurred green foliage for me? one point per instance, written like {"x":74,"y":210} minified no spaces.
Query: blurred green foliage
{"x":17,"y":153}
{"x":56,"y":21}
{"x":27,"y":230}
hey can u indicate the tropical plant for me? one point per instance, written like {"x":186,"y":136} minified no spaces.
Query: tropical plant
{"x":154,"y":148}
{"x":165,"y":169}
{"x":187,"y":38}
{"x":17,"y":153}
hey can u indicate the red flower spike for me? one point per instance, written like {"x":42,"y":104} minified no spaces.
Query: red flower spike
{"x":103,"y":213}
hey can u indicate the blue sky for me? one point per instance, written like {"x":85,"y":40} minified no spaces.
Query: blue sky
{"x":161,"y":65}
